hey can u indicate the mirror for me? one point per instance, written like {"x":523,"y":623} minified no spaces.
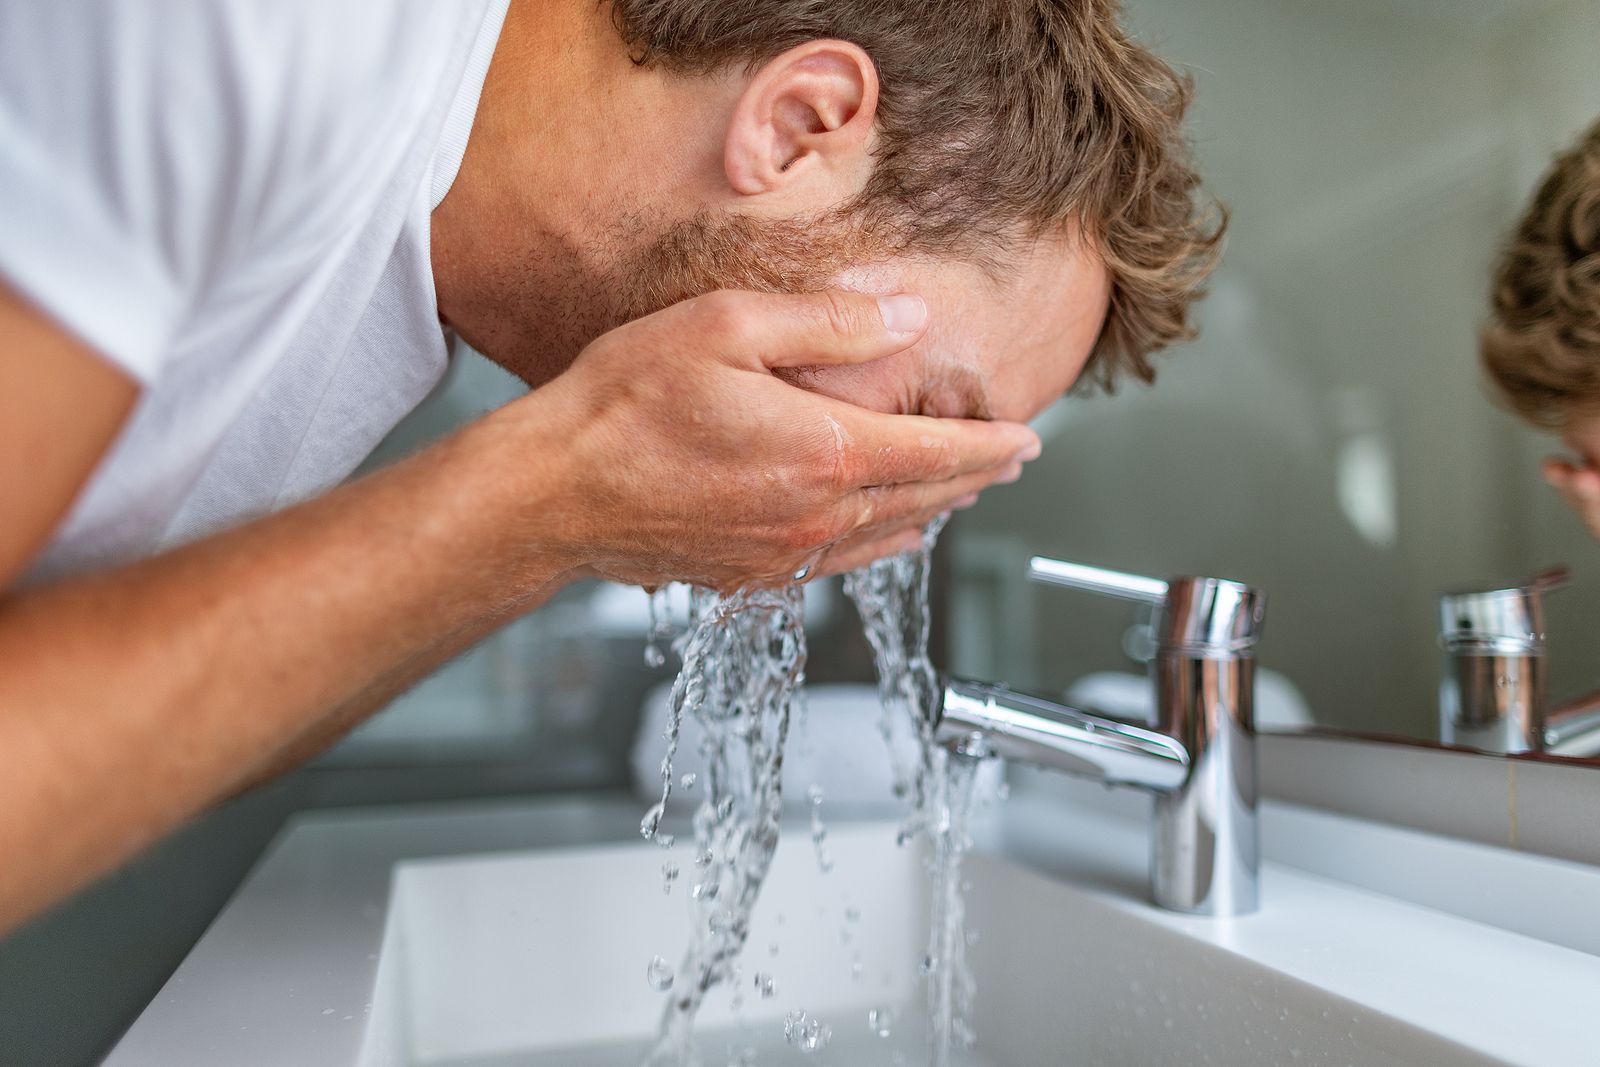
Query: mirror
{"x":1329,"y":437}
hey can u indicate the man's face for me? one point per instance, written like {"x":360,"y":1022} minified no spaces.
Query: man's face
{"x":1001,"y":344}
{"x":996,"y":348}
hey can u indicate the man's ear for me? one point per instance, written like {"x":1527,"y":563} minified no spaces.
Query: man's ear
{"x":805,"y":117}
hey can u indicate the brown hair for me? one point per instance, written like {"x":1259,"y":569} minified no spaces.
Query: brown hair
{"x":1542,"y":347}
{"x":998,"y":119}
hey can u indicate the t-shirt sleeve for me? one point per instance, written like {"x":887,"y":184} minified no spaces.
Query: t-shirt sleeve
{"x":119,"y":183}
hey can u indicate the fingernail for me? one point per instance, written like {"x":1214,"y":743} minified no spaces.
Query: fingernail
{"x":903,"y":312}
{"x":1030,"y":451}
{"x":965,"y":502}
{"x":1011,"y":474}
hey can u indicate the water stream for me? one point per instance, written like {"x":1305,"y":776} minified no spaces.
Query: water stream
{"x":891,"y":596}
{"x":743,"y":664}
{"x":743,"y":667}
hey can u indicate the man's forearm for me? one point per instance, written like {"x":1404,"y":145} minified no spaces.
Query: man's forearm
{"x":334,"y":726}
{"x":133,"y":699}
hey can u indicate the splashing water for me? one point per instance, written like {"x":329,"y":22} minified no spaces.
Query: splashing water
{"x":950,"y":982}
{"x":660,"y":632}
{"x":891,"y":596}
{"x":743,"y":665}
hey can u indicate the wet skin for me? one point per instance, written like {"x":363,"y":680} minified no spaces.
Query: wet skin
{"x":996,"y":348}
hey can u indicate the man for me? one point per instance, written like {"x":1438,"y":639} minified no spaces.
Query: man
{"x":739,"y":251}
{"x":1542,"y":345}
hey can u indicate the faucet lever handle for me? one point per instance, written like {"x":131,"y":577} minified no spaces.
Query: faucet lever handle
{"x":1097,"y":580}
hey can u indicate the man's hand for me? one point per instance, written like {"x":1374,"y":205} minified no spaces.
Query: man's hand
{"x":1579,"y":486}
{"x":690,"y":460}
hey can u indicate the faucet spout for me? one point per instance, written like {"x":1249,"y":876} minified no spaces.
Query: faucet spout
{"x":1573,"y":728}
{"x":1198,"y":757}
{"x":988,"y":719}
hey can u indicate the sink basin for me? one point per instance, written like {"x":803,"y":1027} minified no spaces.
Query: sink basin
{"x":541,"y":958}
{"x":519,"y":934}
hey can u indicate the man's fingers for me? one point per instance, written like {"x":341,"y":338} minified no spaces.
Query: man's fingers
{"x":876,"y":542}
{"x":850,"y":555}
{"x":887,"y":506}
{"x":804,"y":329}
{"x":1584,"y":483}
{"x":1558,"y":471}
{"x":895,"y":449}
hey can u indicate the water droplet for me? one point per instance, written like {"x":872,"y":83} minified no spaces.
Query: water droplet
{"x":928,"y":966}
{"x":651,"y":820}
{"x":814,"y":794}
{"x":703,"y":859}
{"x":653,"y":656}
{"x":666,"y":840}
{"x":766,"y":985}
{"x":704,"y":891}
{"x":659,"y":974}
{"x":852,"y":915}
{"x":806,"y":1033}
{"x":688,"y":780}
{"x":881,"y":1021}
{"x":327,"y":1011}
{"x":669,"y":874}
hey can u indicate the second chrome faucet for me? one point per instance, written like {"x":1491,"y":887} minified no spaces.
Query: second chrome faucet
{"x":1197,"y":756}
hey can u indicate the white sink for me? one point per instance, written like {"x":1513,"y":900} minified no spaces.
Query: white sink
{"x":497,"y":936}
{"x":540,"y":958}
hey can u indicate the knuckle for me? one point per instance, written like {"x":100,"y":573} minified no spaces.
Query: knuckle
{"x":724,"y":314}
{"x":869,"y":510}
{"x":842,"y":315}
{"x":840,"y":471}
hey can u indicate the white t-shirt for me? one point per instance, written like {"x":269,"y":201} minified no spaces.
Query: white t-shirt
{"x":229,"y":199}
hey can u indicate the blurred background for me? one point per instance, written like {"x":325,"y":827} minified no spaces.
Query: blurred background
{"x":1327,"y":438}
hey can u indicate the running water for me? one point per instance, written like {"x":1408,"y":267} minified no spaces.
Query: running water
{"x":891,"y":596}
{"x":743,"y":665}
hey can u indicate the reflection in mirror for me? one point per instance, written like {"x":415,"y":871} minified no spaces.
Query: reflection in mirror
{"x":1330,"y":436}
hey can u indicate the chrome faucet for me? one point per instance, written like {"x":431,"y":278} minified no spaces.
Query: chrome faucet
{"x":1493,"y":694}
{"x":1198,"y":756}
